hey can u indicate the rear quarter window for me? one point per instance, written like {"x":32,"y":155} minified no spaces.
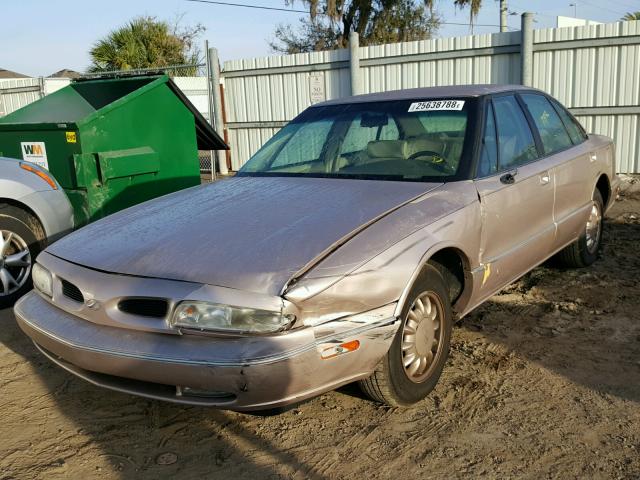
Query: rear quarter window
{"x":576,"y":132}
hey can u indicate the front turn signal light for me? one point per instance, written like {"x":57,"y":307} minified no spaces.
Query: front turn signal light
{"x":41,"y":173}
{"x":335,"y":350}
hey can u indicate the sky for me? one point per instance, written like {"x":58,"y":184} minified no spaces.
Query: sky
{"x":40,"y":37}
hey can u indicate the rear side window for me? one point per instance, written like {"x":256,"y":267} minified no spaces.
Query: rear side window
{"x":489,"y":153}
{"x":553,"y":134}
{"x":576,"y":132}
{"x":515,"y":140}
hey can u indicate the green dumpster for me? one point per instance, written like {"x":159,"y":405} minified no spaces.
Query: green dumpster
{"x":112,"y":143}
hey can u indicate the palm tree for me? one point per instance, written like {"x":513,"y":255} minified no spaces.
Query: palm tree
{"x":631,"y":16}
{"x":474,"y":9}
{"x":144,"y":42}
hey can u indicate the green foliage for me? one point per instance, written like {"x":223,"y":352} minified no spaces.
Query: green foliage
{"x":474,"y":8}
{"x":146,"y":42}
{"x":376,"y":21}
{"x":631,"y":16}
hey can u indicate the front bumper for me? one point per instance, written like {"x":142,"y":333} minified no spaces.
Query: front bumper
{"x":236,"y":373}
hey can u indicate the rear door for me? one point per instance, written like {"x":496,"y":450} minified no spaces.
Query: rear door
{"x":516,"y":191}
{"x":574,"y":165}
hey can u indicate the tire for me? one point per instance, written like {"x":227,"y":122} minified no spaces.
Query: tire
{"x":584,"y":251}
{"x":21,"y":239}
{"x":392,"y":383}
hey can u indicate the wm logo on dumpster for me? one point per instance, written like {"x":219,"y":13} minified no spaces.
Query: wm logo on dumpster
{"x":35,"y":152}
{"x":32,"y":149}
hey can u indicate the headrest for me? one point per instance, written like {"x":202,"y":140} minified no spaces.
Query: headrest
{"x":387,"y":149}
{"x":415,"y":145}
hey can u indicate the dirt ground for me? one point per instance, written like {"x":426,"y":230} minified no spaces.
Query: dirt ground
{"x":543,"y":382}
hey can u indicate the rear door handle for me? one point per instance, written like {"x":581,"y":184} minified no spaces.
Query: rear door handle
{"x":593,"y":157}
{"x":544,"y":178}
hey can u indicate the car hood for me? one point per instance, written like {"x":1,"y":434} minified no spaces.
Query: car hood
{"x":248,"y":233}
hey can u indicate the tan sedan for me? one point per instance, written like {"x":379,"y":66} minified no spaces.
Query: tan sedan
{"x":342,"y":251}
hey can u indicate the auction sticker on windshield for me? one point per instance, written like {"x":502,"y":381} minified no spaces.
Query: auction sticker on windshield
{"x":436,"y":105}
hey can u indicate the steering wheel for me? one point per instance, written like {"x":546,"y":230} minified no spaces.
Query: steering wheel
{"x":438,"y":165}
{"x":425,"y":153}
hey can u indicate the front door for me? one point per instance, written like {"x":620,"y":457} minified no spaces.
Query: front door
{"x":516,"y":190}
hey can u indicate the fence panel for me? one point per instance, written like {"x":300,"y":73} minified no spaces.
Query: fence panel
{"x":490,"y":58}
{"x":15,"y":93}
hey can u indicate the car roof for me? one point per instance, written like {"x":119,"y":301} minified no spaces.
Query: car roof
{"x":429,"y":92}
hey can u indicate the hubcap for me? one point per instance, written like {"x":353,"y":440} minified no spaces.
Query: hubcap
{"x":594,"y":225}
{"x":15,"y":262}
{"x":422,"y":336}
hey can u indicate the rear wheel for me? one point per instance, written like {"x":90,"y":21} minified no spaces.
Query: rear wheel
{"x":21,"y":239}
{"x":584,"y":251}
{"x":413,"y":365}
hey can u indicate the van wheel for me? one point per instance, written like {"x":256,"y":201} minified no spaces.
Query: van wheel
{"x":21,"y":239}
{"x":420,"y":348}
{"x":584,"y":251}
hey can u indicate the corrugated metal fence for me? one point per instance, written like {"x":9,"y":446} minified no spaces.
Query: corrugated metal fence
{"x":594,"y":70}
{"x":15,"y":93}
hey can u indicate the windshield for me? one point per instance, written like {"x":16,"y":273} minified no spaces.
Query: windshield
{"x":397,"y":140}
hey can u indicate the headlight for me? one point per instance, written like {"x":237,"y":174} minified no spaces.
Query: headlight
{"x":211,"y":316}
{"x":42,"y":279}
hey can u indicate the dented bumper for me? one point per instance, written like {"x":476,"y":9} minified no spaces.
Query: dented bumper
{"x":237,"y":373}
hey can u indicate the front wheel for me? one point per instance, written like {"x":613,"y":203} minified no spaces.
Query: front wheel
{"x":420,"y":348}
{"x":20,"y":241}
{"x":584,"y":251}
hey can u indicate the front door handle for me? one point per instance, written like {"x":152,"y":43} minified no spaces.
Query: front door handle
{"x":509,"y":178}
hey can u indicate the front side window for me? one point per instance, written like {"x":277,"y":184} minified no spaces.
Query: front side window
{"x":422,"y":139}
{"x":515,"y":140}
{"x":552,"y":132}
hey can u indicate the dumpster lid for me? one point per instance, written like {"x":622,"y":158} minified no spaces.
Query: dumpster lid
{"x":83,"y":99}
{"x":208,"y":138}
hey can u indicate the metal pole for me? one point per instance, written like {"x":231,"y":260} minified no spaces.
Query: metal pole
{"x":575,"y":9}
{"x":214,"y":64}
{"x":354,"y":63}
{"x":210,"y":107}
{"x":526,"y":50}
{"x":503,"y":15}
{"x":41,"y":86}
